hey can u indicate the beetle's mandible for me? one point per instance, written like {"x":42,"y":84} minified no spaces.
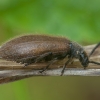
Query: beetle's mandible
{"x":30,"y":49}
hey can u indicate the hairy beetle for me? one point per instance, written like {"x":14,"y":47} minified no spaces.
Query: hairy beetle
{"x":30,"y":49}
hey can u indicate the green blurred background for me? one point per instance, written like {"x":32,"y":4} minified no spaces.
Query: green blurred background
{"x":78,"y":20}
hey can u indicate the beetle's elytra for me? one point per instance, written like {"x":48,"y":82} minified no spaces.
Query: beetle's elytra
{"x":36,"y":48}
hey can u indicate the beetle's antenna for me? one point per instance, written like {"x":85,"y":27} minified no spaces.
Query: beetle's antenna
{"x":92,"y":53}
{"x":94,"y":49}
{"x":97,"y":63}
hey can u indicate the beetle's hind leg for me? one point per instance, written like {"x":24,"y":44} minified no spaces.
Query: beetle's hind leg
{"x":26,"y":61}
{"x":41,"y":57}
{"x":29,"y":60}
{"x":52,"y":61}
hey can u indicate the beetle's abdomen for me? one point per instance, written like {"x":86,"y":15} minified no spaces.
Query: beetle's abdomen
{"x":34,"y":48}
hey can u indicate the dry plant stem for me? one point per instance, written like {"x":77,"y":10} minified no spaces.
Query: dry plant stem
{"x":11,"y":71}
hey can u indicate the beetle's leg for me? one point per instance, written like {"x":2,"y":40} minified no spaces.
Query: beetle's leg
{"x":42,"y":56}
{"x":69,"y":60}
{"x":28,"y":61}
{"x":72,"y":61}
{"x":35,"y":60}
{"x":54,"y":60}
{"x":26,"y":64}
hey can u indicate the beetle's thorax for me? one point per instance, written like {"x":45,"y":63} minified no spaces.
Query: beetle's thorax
{"x":76,"y":49}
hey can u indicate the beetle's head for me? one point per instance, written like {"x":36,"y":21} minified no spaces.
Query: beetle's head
{"x":83,"y":57}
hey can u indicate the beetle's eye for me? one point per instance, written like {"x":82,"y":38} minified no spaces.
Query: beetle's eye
{"x":81,"y":56}
{"x":82,"y":52}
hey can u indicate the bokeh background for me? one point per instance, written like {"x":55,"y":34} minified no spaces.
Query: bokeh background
{"x":78,"y":20}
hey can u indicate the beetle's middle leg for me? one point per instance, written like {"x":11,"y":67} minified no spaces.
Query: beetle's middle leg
{"x":41,"y":57}
{"x":51,"y":62}
{"x":54,"y":60}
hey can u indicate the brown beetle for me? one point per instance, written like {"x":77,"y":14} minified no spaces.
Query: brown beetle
{"x":36,"y":48}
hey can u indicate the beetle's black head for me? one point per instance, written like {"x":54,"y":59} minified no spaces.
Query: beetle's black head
{"x":83,"y":57}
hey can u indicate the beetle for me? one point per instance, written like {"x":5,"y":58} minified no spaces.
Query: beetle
{"x":30,"y":49}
